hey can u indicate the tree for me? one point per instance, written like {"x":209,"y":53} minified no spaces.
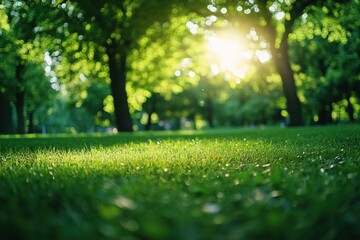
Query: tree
{"x":273,"y":21}
{"x":167,"y":62}
{"x":22,"y":54}
{"x":328,"y":80}
{"x":115,"y":26}
{"x":38,"y":92}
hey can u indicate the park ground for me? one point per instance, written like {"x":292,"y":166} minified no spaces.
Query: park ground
{"x":273,"y":183}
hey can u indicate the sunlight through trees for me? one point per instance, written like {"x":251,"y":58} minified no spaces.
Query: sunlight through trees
{"x":78,"y":66}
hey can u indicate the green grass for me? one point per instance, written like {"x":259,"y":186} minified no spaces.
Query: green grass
{"x":298,"y":183}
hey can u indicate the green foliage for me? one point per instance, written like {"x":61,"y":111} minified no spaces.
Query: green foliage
{"x":162,"y":51}
{"x":22,"y":56}
{"x":328,"y":61}
{"x":264,"y":183}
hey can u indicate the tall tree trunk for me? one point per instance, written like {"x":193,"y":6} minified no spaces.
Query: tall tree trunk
{"x":282,"y":63}
{"x":117,"y":67}
{"x":281,"y":56}
{"x":20,"y":98}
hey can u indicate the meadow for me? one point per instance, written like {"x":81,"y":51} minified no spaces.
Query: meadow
{"x":263,"y":183}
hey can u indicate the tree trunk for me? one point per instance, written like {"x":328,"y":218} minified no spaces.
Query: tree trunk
{"x":350,"y":110}
{"x":282,"y":63}
{"x":177,"y":124}
{"x":152,"y":110}
{"x":31,"y":128}
{"x":192,"y":118}
{"x":281,"y":57}
{"x":210,"y":111}
{"x":6,"y":120}
{"x":20,"y":99}
{"x":325,"y":115}
{"x":148,"y":123}
{"x":117,"y":68}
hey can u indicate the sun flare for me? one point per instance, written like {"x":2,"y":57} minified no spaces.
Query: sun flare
{"x":231,"y":53}
{"x":228,"y":53}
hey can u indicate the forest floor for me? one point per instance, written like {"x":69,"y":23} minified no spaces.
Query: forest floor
{"x":262,"y":183}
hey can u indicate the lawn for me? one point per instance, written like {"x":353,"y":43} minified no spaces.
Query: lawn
{"x":269,"y":183}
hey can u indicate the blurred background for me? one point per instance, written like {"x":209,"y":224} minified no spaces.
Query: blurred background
{"x":121,"y":66}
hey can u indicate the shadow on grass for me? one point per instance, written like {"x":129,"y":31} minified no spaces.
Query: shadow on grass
{"x":83,"y":141}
